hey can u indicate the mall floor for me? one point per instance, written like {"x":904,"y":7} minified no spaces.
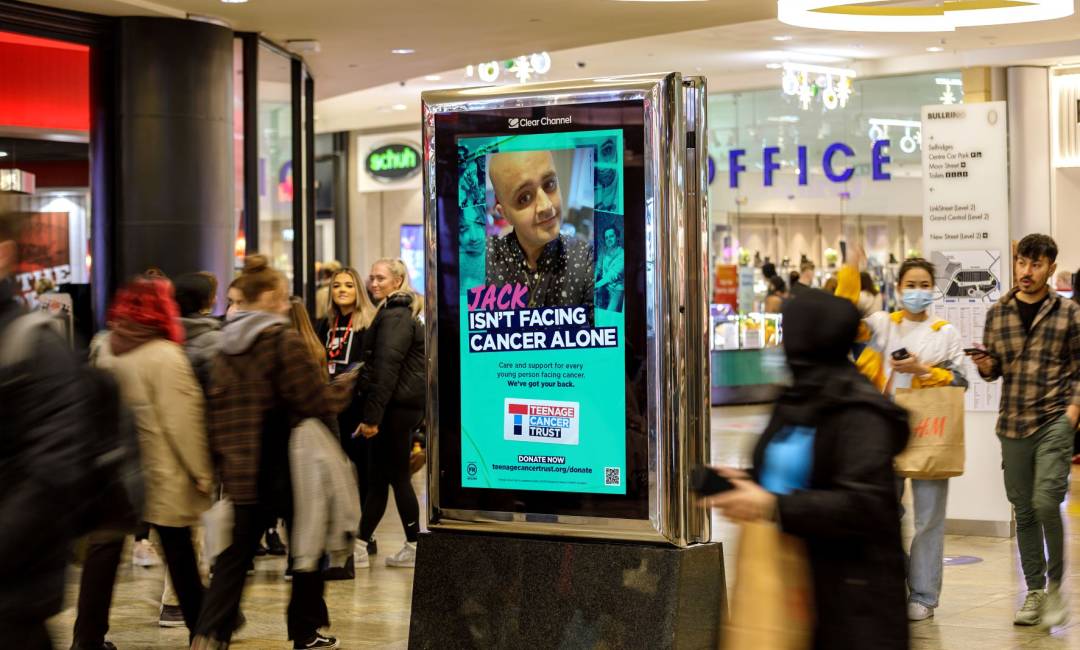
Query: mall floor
{"x":372,"y":611}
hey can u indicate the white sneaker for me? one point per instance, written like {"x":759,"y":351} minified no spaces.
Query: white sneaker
{"x":361,"y":559}
{"x":1031,"y":612}
{"x":143,"y":554}
{"x":919,"y":612}
{"x":405,"y":558}
{"x":1055,"y":611}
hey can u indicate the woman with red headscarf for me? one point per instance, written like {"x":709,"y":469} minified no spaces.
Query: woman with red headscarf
{"x":143,"y":351}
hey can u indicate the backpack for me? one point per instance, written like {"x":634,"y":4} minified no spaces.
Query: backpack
{"x":115,"y":494}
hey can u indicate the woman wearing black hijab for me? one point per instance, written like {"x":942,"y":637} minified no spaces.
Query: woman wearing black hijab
{"x":823,"y":471}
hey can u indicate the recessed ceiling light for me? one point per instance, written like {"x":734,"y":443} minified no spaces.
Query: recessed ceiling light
{"x":403,"y":50}
{"x":774,"y":66}
{"x":935,"y":48}
{"x":3,"y":154}
{"x":234,"y":2}
{"x":782,"y":38}
{"x":400,"y":107}
{"x":433,"y":77}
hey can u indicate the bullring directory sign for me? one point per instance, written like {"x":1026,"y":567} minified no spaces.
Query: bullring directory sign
{"x":542,"y":208}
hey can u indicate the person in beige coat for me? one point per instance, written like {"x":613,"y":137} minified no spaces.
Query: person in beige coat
{"x":143,"y":350}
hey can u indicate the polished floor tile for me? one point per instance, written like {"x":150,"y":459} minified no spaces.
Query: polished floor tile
{"x":372,"y":611}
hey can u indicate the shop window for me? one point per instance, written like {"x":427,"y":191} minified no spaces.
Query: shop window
{"x":277,"y":177}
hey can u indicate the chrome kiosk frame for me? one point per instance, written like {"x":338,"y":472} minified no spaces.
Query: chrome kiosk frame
{"x":677,"y":282}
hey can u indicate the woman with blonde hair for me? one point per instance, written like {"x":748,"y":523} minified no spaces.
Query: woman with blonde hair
{"x":393,"y":403}
{"x":341,"y":337}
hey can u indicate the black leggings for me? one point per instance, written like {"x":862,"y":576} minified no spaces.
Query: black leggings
{"x":388,"y":467}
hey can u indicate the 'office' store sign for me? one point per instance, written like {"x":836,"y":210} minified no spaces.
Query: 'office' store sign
{"x":834,"y":162}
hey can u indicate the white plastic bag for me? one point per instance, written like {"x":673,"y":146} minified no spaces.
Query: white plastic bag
{"x":218,"y":529}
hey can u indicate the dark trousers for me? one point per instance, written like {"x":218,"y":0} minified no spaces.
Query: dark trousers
{"x":358,"y":450}
{"x":96,"y":591}
{"x":307,"y":609}
{"x":388,"y":469}
{"x":28,"y":634}
{"x":183,"y":568}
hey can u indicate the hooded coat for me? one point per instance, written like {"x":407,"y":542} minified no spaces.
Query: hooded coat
{"x":264,"y":382}
{"x":202,"y":340}
{"x":394,"y":344}
{"x":848,"y":515}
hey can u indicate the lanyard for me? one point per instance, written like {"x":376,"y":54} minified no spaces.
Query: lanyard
{"x":334,"y":344}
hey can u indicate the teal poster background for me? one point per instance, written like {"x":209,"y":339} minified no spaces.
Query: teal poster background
{"x":551,"y":417}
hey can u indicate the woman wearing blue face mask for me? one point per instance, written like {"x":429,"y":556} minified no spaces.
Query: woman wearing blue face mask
{"x":934,"y":357}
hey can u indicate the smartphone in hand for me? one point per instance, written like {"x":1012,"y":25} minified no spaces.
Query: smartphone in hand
{"x":900,"y":354}
{"x":705,"y":481}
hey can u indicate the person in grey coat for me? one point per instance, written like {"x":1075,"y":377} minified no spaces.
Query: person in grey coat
{"x":195,"y":297}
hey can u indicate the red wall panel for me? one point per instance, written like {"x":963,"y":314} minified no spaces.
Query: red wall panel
{"x":44,"y":87}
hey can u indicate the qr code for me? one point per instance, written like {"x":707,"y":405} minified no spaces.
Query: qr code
{"x":613,"y":476}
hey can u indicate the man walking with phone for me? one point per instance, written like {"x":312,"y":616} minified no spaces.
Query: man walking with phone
{"x":1032,"y":341}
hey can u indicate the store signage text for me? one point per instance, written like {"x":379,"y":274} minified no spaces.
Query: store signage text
{"x":393,"y":162}
{"x":829,"y":163}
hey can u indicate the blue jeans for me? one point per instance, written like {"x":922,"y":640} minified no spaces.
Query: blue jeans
{"x":928,"y":545}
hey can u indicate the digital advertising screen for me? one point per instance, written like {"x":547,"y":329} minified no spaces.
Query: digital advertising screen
{"x":542,"y":396}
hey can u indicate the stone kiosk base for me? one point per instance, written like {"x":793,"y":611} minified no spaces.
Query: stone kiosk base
{"x":488,"y":591}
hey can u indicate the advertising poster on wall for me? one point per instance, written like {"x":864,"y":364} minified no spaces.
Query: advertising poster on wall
{"x":44,"y":254}
{"x":542,"y":345}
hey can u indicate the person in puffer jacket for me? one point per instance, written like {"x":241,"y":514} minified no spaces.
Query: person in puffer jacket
{"x":394,"y":401}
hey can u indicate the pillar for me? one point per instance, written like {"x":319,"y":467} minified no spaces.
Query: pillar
{"x":1029,"y":151}
{"x":174,"y":160}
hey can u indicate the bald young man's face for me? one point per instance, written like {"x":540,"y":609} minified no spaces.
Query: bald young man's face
{"x":527,"y":195}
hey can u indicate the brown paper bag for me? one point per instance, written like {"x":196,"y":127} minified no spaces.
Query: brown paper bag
{"x":935,"y":449}
{"x":772,"y":602}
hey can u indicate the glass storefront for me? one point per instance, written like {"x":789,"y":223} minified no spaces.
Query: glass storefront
{"x":275,"y":174}
{"x":793,"y":181}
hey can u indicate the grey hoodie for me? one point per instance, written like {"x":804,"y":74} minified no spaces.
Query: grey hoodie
{"x":202,"y":341}
{"x":243,"y":327}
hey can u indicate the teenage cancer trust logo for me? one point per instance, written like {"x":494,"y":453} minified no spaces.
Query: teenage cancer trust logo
{"x":529,"y":420}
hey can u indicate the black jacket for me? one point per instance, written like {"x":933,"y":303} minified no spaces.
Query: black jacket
{"x":849,"y":515}
{"x":44,"y":453}
{"x":394,"y":348}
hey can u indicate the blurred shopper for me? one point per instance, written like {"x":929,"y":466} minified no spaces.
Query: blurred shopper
{"x":144,"y":352}
{"x":1063,"y":281}
{"x":393,"y":404}
{"x":934,"y":357}
{"x":342,"y":333}
{"x":202,"y":332}
{"x":1032,"y":341}
{"x":830,"y":284}
{"x":44,"y":409}
{"x":823,"y":471}
{"x":774,"y":300}
{"x":870,"y":299}
{"x":805,"y":281}
{"x":264,"y":382}
{"x":322,"y":294}
{"x":195,"y":295}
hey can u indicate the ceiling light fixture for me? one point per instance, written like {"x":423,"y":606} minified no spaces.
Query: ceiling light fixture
{"x":403,"y":50}
{"x":935,"y":48}
{"x":880,"y":16}
{"x":234,"y":2}
{"x":809,"y":81}
{"x":3,"y":154}
{"x":782,"y":39}
{"x":433,"y":77}
{"x":774,"y":66}
{"x":400,"y":107}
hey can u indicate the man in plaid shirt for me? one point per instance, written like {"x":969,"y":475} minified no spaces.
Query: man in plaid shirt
{"x":1032,"y":341}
